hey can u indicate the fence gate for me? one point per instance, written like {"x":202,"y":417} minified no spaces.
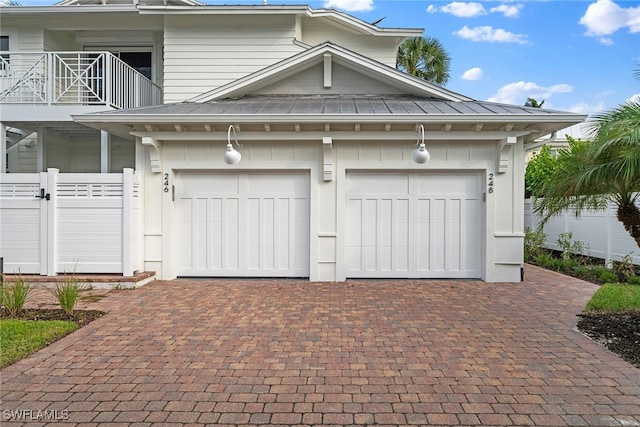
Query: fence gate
{"x":23,"y":223}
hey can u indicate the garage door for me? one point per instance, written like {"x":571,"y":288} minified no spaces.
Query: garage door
{"x":414,"y":225}
{"x":243,"y":224}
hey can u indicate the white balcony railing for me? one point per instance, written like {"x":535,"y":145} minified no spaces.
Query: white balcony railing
{"x":80,"y":78}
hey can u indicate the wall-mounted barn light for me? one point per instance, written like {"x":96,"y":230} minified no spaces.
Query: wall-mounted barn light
{"x":232,"y":156}
{"x":420,"y":154}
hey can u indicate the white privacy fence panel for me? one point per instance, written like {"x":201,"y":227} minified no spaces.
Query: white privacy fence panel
{"x":600,"y":230}
{"x":70,"y":223}
{"x":20,"y":222}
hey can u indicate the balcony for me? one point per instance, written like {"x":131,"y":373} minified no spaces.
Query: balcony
{"x":73,"y":78}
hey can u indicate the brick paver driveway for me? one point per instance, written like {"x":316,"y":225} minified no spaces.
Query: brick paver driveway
{"x":363,"y":352}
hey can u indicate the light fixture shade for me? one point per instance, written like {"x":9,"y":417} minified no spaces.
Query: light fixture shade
{"x":421,"y":155}
{"x":231,"y":156}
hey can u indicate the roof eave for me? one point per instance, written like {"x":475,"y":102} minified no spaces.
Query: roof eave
{"x":325,"y":118}
{"x":362,"y":26}
{"x":35,"y":10}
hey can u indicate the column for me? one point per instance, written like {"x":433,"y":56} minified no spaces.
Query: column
{"x":3,"y":148}
{"x":105,"y":151}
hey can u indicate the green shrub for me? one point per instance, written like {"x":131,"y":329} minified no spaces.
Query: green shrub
{"x":583,"y":272}
{"x":543,"y":260}
{"x":624,"y":268}
{"x":605,"y":275}
{"x":573,"y":250}
{"x":633,"y":280}
{"x":67,"y":293}
{"x":14,"y":297}
{"x":533,"y":243}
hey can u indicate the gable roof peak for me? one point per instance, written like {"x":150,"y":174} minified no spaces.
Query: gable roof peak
{"x":339,"y":54}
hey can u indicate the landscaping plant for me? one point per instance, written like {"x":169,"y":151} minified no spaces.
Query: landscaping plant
{"x":67,"y":293}
{"x":13,"y":298}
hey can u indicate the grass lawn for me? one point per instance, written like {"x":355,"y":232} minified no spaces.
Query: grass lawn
{"x":19,"y":338}
{"x":615,"y":297}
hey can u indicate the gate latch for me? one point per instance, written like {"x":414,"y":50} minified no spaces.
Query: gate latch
{"x":46,"y":196}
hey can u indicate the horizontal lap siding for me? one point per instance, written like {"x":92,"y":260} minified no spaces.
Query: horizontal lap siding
{"x":382,"y":49}
{"x":202,"y":55}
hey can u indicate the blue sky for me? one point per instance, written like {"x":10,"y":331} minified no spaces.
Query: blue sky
{"x":576,"y":55}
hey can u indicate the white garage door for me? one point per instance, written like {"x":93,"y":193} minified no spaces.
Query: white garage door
{"x":243,"y":224}
{"x":414,"y":225}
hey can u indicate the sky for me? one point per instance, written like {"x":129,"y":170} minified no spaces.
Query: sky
{"x":575,"y":55}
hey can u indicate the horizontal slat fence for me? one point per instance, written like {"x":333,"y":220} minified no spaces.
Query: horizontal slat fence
{"x":53,"y":223}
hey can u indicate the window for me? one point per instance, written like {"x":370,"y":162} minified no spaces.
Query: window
{"x":4,"y":57}
{"x":139,"y":61}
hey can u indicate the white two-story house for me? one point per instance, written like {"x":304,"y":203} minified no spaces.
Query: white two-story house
{"x":247,"y":141}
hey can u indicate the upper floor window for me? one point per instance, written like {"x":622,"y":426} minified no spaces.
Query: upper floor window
{"x":4,"y":47}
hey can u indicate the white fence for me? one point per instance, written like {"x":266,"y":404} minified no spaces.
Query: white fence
{"x":600,"y":230}
{"x":54,"y":223}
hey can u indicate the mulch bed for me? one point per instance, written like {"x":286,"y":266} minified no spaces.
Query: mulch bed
{"x":80,"y":317}
{"x":618,"y":332}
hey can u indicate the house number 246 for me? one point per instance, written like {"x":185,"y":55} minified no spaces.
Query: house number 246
{"x":490,"y":183}
{"x":165,"y":182}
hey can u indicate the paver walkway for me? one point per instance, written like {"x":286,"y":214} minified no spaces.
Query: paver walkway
{"x":408,"y":352}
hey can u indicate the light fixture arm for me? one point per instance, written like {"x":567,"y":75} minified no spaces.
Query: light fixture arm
{"x":235,"y":137}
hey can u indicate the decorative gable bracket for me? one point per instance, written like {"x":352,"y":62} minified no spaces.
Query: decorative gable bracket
{"x":327,"y":157}
{"x":504,"y":153}
{"x":153,"y":147}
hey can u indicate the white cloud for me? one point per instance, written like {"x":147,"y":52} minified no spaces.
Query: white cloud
{"x":607,"y":41}
{"x":517,"y":93}
{"x":350,"y":5}
{"x":464,"y":10}
{"x":605,"y":17}
{"x":584,"y":108}
{"x":473,"y":9}
{"x":489,"y":34}
{"x":473,"y":74}
{"x":510,"y":11}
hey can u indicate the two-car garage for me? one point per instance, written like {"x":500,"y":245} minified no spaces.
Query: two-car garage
{"x":395,"y":224}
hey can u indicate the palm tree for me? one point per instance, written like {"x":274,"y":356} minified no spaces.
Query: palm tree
{"x":590,"y":175}
{"x":532,"y":102}
{"x":424,"y":57}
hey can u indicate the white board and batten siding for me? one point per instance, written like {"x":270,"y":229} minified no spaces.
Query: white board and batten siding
{"x":414,"y":225}
{"x":243,"y":224}
{"x":88,"y":224}
{"x":204,"y":53}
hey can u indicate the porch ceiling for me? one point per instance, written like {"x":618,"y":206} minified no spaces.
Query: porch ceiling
{"x":65,"y":130}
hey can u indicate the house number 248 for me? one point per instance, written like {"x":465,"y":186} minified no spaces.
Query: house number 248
{"x":490,"y":183}
{"x":165,"y":182}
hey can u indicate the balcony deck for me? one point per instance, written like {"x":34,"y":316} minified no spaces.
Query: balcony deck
{"x":73,"y":79}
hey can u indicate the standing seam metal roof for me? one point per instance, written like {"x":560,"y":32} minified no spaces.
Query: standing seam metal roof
{"x":336,"y":105}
